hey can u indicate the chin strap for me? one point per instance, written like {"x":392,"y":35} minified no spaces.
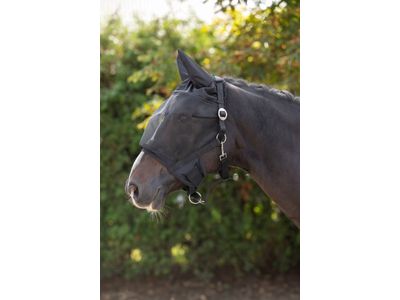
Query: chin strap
{"x":194,"y":196}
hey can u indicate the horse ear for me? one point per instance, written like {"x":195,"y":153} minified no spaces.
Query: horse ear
{"x":183,"y":73}
{"x":188,"y":68}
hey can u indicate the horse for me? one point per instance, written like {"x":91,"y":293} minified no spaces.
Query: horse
{"x":211,"y":123}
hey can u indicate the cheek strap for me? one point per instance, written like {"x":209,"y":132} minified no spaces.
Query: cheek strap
{"x":221,"y":136}
{"x":194,"y":196}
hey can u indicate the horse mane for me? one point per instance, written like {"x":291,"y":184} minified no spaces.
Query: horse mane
{"x":262,"y":89}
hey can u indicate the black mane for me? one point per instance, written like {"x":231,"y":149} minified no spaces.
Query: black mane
{"x":262,"y":89}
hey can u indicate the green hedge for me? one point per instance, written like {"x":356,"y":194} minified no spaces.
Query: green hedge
{"x":240,"y":228}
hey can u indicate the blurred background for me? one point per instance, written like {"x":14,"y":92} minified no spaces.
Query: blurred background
{"x":239,"y":245}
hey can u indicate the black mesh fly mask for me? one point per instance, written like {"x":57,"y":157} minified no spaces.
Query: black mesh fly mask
{"x":191,"y":116}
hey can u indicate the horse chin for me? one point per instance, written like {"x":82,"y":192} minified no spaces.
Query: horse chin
{"x":155,"y":206}
{"x":157,"y":203}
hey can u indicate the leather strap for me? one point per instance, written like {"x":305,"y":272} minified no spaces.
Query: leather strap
{"x":219,"y":82}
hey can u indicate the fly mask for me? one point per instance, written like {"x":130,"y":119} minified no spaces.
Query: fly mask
{"x":187,"y":125}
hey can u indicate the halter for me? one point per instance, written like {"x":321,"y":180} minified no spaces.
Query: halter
{"x":195,"y":197}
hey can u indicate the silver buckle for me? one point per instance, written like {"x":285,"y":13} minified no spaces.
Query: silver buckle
{"x":220,"y":111}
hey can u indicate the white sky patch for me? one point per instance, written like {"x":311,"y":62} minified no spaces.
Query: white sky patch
{"x":150,"y":9}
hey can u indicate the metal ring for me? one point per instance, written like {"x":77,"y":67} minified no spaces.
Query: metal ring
{"x":223,"y":141}
{"x":222,"y":110}
{"x":200,"y":201}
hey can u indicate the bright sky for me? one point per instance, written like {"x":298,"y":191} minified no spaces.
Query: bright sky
{"x":148,"y":9}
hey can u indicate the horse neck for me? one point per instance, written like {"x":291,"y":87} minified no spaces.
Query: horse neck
{"x":266,"y":144}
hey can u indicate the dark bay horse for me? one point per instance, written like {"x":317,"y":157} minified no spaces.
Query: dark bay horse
{"x":260,"y":129}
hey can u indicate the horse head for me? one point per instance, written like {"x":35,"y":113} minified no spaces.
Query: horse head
{"x":182,"y":141}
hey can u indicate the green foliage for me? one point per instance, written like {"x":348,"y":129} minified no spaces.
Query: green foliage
{"x":260,"y":47}
{"x":240,"y":228}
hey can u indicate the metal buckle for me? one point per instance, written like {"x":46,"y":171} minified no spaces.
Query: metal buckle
{"x":197,"y":198}
{"x":220,"y":116}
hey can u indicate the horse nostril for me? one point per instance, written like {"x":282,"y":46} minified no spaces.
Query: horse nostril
{"x":134,"y":191}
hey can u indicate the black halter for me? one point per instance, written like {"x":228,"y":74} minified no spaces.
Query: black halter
{"x":221,"y":136}
{"x":190,"y":170}
{"x":194,"y":196}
